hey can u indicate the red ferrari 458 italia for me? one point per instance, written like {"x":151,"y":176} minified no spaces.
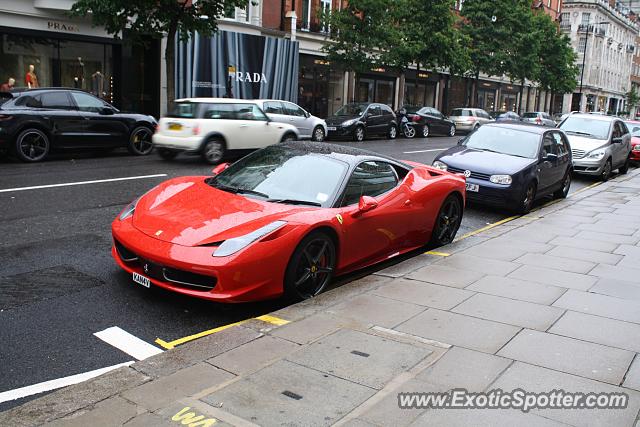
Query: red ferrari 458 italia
{"x":284,"y":220}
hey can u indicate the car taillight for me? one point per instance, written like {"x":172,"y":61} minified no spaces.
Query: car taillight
{"x":471,"y":119}
{"x":415,"y":118}
{"x":538,"y":120}
{"x":196,"y":130}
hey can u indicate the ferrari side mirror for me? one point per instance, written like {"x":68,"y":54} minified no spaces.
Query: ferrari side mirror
{"x":366,"y":204}
{"x":219,"y":168}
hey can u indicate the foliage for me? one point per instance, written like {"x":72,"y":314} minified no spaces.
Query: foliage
{"x":558,"y":71}
{"x":632,"y":97}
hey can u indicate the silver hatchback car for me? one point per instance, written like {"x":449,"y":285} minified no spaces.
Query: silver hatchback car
{"x":599,"y":144}
{"x":469,"y":119}
{"x":539,"y":118}
{"x":309,"y":126}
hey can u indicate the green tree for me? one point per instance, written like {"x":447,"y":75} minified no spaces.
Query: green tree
{"x":632,"y":99}
{"x":158,"y":18}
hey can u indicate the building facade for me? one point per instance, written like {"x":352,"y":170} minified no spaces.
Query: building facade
{"x":604,"y":39}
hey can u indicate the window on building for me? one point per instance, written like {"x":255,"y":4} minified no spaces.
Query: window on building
{"x":306,"y":15}
{"x":582,"y":44}
{"x":564,"y":17}
{"x":586,"y":18}
{"x":325,"y":9}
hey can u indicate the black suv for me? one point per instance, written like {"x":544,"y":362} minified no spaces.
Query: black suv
{"x":34,"y":122}
{"x":358,"y":120}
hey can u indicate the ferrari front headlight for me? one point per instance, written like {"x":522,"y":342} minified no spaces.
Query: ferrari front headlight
{"x":231,"y":246}
{"x":130,"y":209}
{"x":439,"y":165}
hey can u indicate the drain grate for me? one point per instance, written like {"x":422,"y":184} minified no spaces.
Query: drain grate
{"x":359,"y":353}
{"x":292,"y":395}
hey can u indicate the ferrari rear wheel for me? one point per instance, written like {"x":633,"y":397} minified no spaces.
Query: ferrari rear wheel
{"x":447,"y":222}
{"x":311,"y":267}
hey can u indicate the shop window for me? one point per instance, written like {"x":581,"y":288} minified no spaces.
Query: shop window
{"x":19,"y":53}
{"x":384,"y":92}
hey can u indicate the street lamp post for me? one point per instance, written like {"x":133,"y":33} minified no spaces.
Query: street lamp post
{"x":584,"y":54}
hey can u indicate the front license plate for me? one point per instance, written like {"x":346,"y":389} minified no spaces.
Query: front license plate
{"x":140,"y":279}
{"x":175,"y":126}
{"x":331,"y":128}
{"x":473,"y":187}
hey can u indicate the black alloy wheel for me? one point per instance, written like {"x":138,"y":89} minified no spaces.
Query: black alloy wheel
{"x":528,"y":197}
{"x":448,"y":221}
{"x":409,"y":131}
{"x":563,"y":192}
{"x":311,"y":267}
{"x":140,"y":141}
{"x":606,"y":172}
{"x":32,"y":145}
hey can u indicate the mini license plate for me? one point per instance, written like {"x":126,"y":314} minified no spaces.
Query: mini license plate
{"x":331,"y":128}
{"x":473,"y":187}
{"x":140,"y":279}
{"x":175,"y":126}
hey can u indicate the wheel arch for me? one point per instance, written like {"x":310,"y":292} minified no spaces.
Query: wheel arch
{"x":210,"y":135}
{"x":34,"y":125}
{"x":332,"y":233}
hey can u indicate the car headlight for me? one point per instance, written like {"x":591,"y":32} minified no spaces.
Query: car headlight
{"x":349,"y":122}
{"x":636,"y":147}
{"x":231,"y":246}
{"x":596,"y":154}
{"x":501,"y":179}
{"x":130,"y":209}
{"x":439,"y":165}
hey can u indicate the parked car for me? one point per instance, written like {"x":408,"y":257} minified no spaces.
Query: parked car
{"x":600,"y":144}
{"x":431,"y":121}
{"x":35,"y":122}
{"x":212,"y":127}
{"x":538,"y":118}
{"x":284,"y":220}
{"x":469,"y":119}
{"x":509,"y":116}
{"x":634,"y":129}
{"x":511,"y":165}
{"x":309,"y":126}
{"x":359,"y":120}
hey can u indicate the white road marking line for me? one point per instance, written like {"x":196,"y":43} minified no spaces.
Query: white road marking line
{"x":68,"y":184}
{"x":130,"y":344}
{"x":425,"y":151}
{"x":18,"y":393}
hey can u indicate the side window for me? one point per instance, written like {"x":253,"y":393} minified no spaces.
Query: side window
{"x":625,"y":129}
{"x":28,"y":101}
{"x":386,"y":110}
{"x":57,"y":100}
{"x":617,"y":130}
{"x":294,"y":110}
{"x":548,"y":144}
{"x":369,"y":179}
{"x":561,"y":147}
{"x":273,"y":107}
{"x":86,"y":102}
{"x":375,"y":110}
{"x":218,"y":111}
{"x":250,"y":112}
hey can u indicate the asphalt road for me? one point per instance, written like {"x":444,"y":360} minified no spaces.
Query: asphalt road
{"x":59,"y":285}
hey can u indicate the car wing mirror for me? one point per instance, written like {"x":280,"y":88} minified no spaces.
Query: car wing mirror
{"x":219,"y":168}
{"x":107,"y":111}
{"x":366,"y":204}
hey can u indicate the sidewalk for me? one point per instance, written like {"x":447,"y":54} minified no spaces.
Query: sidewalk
{"x":547,"y":301}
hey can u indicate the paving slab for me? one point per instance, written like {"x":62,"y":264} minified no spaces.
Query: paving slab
{"x":594,"y":245}
{"x":481,"y":265}
{"x":605,"y":237}
{"x":584,"y":255}
{"x":493,"y":250}
{"x":600,"y":305}
{"x":575,"y":211}
{"x":617,"y":288}
{"x":405,"y":267}
{"x":286,"y":393}
{"x":461,"y":330}
{"x":601,"y":330}
{"x":446,"y":276}
{"x":522,"y":290}
{"x":608,"y":226}
{"x":628,"y":250}
{"x":569,"y":355}
{"x":149,"y":419}
{"x":483,"y":418}
{"x":363,"y":358}
{"x":510,"y":311}
{"x":632,"y":380}
{"x":556,"y":263}
{"x":422,"y":293}
{"x":185,"y":382}
{"x":112,"y":411}
{"x":254,"y":354}
{"x":538,"y":379}
{"x":372,"y":309}
{"x":195,"y":413}
{"x":464,"y":368}
{"x":563,"y":279}
{"x":313,"y":327}
{"x":617,"y":272}
{"x":632,"y":263}
{"x":524,"y":235}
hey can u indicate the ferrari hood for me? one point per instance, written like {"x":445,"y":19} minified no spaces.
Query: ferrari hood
{"x":189,"y":212}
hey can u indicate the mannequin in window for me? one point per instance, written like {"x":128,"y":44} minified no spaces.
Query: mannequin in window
{"x":6,"y":87}
{"x":97,"y":84}
{"x":30,"y":78}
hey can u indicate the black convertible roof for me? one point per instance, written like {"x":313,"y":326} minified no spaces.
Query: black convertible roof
{"x":345,"y":153}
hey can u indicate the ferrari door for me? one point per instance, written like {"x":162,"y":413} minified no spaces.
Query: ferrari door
{"x":381,"y":231}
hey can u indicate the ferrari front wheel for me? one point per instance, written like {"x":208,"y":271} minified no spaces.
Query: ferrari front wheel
{"x":447,"y":222}
{"x":311,"y":267}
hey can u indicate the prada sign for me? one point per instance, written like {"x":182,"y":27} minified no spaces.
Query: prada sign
{"x":62,"y":27}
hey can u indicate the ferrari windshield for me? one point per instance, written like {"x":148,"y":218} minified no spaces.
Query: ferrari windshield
{"x":505,"y":140}
{"x":284,"y":175}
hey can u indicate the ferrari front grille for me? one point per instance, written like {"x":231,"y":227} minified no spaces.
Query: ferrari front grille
{"x":125,"y":254}
{"x":189,"y":279}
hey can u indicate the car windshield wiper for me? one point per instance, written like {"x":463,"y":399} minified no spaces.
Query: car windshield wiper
{"x":491,"y":151}
{"x":295,"y":202}
{"x":239,"y":190}
{"x":575,"y":132}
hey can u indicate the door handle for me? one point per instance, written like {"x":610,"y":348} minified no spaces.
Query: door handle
{"x":408,"y":202}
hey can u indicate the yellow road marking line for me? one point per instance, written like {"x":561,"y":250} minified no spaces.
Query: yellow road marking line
{"x":172,"y":344}
{"x":487,"y":227}
{"x":437,"y":253}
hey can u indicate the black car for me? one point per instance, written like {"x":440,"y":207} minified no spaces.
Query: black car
{"x":430,"y":121}
{"x":511,"y":165}
{"x":34,"y":122}
{"x":359,"y":120}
